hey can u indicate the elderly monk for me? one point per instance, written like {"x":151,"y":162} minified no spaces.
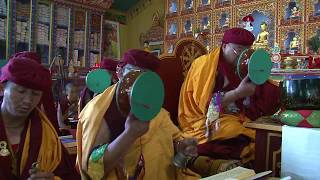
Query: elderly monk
{"x":108,"y":64}
{"x":29,"y":144}
{"x":111,"y":146}
{"x":47,"y":98}
{"x":212,"y":78}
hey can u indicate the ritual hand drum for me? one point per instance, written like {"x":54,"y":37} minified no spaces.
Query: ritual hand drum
{"x":98,"y":80}
{"x":141,"y":93}
{"x":256,"y":63}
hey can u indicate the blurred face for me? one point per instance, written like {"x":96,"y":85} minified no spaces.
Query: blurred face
{"x":73,"y":93}
{"x":231,"y":52}
{"x":19,"y":101}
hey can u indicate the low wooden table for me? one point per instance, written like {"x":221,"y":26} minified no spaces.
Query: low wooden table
{"x":268,"y":145}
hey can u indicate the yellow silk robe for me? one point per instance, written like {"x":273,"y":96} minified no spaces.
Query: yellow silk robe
{"x":156,"y":145}
{"x":194,"y":95}
{"x":50,"y":153}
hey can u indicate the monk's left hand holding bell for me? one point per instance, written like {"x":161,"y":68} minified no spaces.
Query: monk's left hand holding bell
{"x":40,"y":175}
{"x":188,"y":147}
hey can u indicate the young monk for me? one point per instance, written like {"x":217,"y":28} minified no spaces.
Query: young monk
{"x":68,"y":105}
{"x":111,"y":146}
{"x":212,"y":78}
{"x":29,"y":144}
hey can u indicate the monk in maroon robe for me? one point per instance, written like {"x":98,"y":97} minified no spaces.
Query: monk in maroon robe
{"x":214,"y":103}
{"x":29,"y":145}
{"x":113,"y":146}
{"x":47,"y":98}
{"x":67,"y":107}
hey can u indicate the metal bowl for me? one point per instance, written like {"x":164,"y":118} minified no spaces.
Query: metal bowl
{"x":300,"y":92}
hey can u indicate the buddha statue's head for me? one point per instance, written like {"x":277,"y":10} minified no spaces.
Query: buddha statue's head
{"x":294,"y":9}
{"x":263,"y":26}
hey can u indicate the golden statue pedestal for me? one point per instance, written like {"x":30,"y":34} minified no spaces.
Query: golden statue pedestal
{"x":258,"y":45}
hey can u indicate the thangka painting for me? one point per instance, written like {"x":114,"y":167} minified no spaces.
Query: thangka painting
{"x":111,"y":40}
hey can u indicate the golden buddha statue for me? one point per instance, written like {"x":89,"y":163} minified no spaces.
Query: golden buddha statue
{"x":146,"y":46}
{"x":262,"y":38}
{"x":294,"y":44}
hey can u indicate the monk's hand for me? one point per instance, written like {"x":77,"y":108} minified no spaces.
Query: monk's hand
{"x":40,"y":175}
{"x":188,"y":147}
{"x":246,"y":88}
{"x":135,"y":127}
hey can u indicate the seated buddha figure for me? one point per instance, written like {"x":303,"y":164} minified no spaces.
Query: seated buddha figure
{"x":262,"y":38}
{"x":295,"y":12}
{"x":189,"y":4}
{"x":146,"y":46}
{"x":173,"y":7}
{"x":188,"y":27}
{"x":294,"y":44}
{"x":206,"y":23}
{"x":226,"y":23}
{"x":173,"y":29}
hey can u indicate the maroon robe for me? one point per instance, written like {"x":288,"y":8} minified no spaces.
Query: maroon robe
{"x":260,"y":105}
{"x":65,"y":170}
{"x":47,"y":97}
{"x":85,"y":96}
